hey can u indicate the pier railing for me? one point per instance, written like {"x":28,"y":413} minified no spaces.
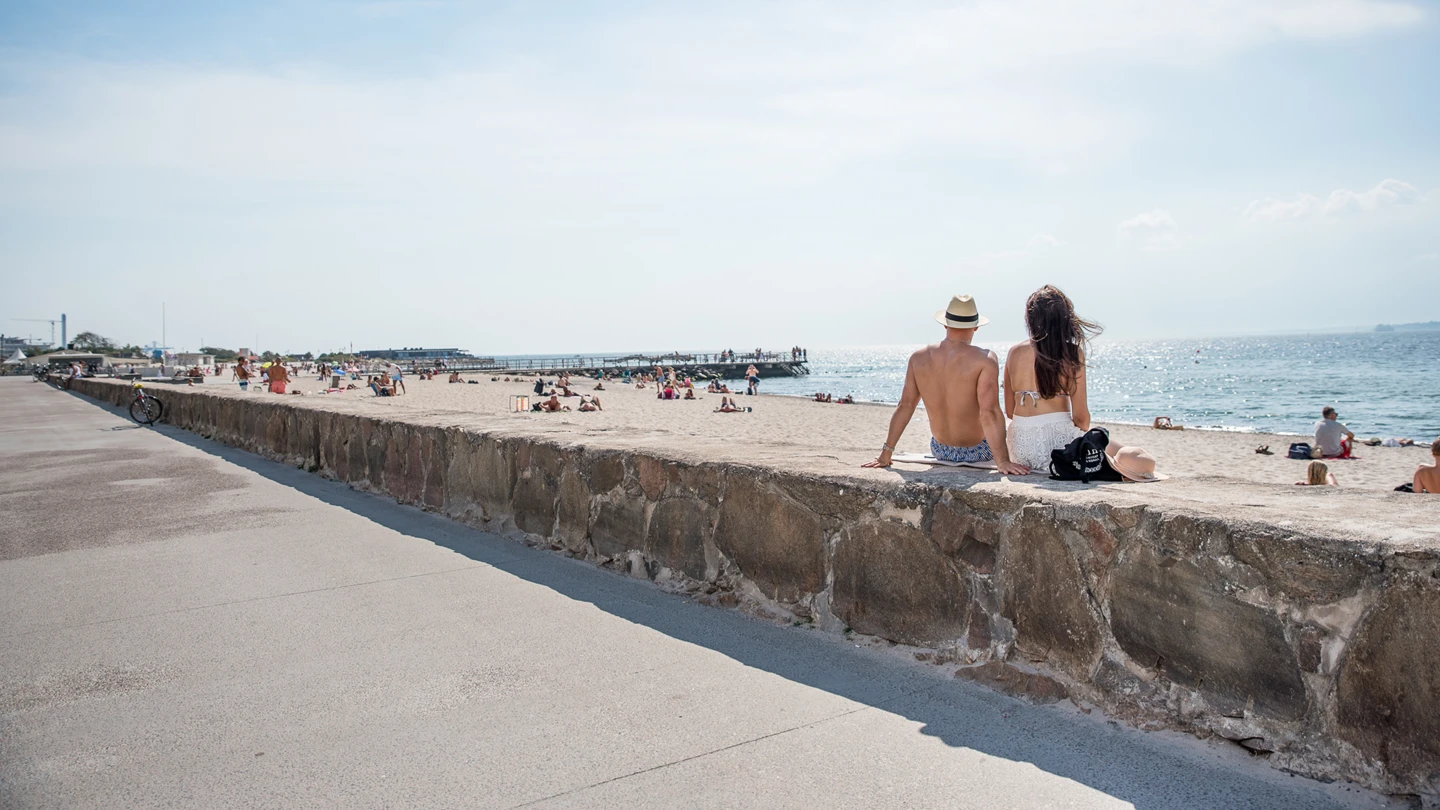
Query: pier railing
{"x":695,"y":364}
{"x":583,"y":362}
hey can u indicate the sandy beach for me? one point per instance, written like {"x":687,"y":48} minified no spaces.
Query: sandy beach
{"x":845,"y":435}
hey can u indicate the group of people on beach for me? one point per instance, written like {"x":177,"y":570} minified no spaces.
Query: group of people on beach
{"x":1042,"y":394}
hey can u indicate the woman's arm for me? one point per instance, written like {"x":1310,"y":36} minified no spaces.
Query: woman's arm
{"x":1079,"y":401}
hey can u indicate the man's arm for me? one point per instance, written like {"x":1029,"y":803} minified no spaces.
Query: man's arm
{"x":909,"y":399}
{"x":992,"y":419}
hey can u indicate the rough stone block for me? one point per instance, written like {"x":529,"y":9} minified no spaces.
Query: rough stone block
{"x":534,"y":503}
{"x":1303,"y":568}
{"x":891,"y":581}
{"x":775,"y":541}
{"x":1168,"y":615}
{"x":574,"y":512}
{"x":1389,"y":683}
{"x":1044,"y":594}
{"x":605,"y":471}
{"x":619,"y":525}
{"x":678,"y":530}
{"x":1031,"y":686}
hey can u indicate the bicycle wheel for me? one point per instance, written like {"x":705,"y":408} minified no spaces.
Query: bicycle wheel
{"x":145,"y":410}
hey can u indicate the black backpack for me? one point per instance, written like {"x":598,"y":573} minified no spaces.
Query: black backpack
{"x":1299,"y":450}
{"x":1084,"y":459}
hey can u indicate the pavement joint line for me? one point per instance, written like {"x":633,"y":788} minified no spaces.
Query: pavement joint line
{"x":879,"y":706}
{"x":64,"y":627}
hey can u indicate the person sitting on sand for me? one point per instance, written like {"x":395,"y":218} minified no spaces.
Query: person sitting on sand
{"x":1318,"y":475}
{"x":1164,"y":423}
{"x":599,"y":386}
{"x":960,"y":386}
{"x":848,"y":399}
{"x":819,"y":396}
{"x":689,"y":393}
{"x":1427,"y":476}
{"x":1332,"y":438}
{"x":381,"y":389}
{"x":552,"y":405}
{"x":455,"y":377}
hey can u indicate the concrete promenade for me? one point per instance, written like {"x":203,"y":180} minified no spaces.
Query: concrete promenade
{"x":187,"y":625}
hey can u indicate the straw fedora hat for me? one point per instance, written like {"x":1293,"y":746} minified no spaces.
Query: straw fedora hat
{"x":1134,"y":464}
{"x":961,"y":314}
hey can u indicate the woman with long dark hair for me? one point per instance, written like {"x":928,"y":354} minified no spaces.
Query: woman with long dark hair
{"x":1045,"y":379}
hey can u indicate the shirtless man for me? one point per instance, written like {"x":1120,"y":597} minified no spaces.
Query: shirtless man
{"x":1427,"y":476}
{"x":279,"y":376}
{"x":553,"y":405}
{"x":960,"y":386}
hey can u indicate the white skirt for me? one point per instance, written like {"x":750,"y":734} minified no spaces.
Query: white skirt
{"x":1031,"y":438}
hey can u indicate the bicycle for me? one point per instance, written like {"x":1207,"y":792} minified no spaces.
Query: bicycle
{"x":145,"y":409}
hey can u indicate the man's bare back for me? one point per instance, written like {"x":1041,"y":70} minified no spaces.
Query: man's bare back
{"x":946,"y":377}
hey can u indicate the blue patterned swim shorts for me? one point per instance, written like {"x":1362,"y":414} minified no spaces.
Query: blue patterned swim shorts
{"x":944,"y":452}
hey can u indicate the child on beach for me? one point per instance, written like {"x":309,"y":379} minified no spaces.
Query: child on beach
{"x":1318,"y":475}
{"x":1427,"y":476}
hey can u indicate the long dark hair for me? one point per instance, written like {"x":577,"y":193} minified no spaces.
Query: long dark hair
{"x":1058,"y":334}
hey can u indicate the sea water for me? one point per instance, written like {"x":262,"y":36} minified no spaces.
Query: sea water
{"x":1383,"y":384}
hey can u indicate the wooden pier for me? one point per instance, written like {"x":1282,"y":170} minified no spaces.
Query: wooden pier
{"x":697,"y":366}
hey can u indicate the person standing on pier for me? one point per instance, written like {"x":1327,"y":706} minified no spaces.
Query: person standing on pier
{"x":960,"y":386}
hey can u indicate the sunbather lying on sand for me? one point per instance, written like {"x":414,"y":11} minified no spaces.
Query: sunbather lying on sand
{"x":1164,"y":423}
{"x":727,"y":405}
{"x":552,"y":405}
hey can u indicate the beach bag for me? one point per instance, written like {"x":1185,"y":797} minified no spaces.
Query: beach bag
{"x":1084,"y":459}
{"x":1405,"y":488}
{"x":1299,"y":450}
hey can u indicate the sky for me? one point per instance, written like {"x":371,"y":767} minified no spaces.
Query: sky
{"x":520,"y":177}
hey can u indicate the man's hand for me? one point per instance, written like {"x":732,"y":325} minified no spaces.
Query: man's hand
{"x":1011,"y":468}
{"x":883,"y":460}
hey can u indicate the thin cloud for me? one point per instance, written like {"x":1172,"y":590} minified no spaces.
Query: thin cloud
{"x":1149,"y":224}
{"x":1388,"y":193}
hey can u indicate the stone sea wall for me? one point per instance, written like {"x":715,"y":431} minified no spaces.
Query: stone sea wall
{"x":1320,"y":652}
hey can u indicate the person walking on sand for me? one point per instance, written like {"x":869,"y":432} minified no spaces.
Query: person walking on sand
{"x":1045,"y":379}
{"x":960,"y":386}
{"x":1332,"y":438}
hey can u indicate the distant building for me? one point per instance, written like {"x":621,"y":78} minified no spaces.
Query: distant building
{"x":413,"y":354}
{"x":9,"y":343}
{"x":194,"y":359}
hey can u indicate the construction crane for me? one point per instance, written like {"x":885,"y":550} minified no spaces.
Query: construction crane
{"x":52,"y":323}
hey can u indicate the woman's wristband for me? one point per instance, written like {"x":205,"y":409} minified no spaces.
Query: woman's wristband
{"x":885,"y":446}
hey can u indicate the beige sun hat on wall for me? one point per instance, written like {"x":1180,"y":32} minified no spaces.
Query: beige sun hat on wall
{"x":1134,"y":464}
{"x":961,"y":314}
